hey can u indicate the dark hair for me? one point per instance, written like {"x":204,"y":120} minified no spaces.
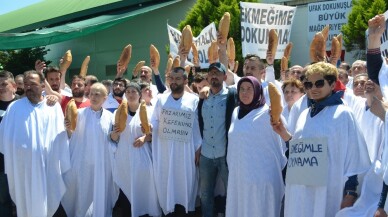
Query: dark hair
{"x":107,"y":82}
{"x":293,"y":83}
{"x":7,"y":75}
{"x":200,"y":77}
{"x":179,"y":69}
{"x":254,"y":57}
{"x":52,"y":69}
{"x":92,"y":79}
{"x":120,"y":79}
{"x":78,"y":77}
{"x":33,"y":72}
{"x":144,"y":85}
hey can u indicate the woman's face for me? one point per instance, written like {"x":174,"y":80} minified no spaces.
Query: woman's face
{"x":132,"y":94}
{"x":317,"y":87}
{"x":246,"y":92}
{"x":291,"y":94}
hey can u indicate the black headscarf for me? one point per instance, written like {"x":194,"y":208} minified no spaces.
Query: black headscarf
{"x":258,"y":97}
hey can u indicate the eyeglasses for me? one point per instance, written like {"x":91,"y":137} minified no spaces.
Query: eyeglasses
{"x":318,"y":84}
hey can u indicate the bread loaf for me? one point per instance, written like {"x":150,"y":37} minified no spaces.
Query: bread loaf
{"x":144,"y":117}
{"x":154,"y":56}
{"x":138,"y":67}
{"x":276,"y":104}
{"x":121,"y":116}
{"x":284,"y":64}
{"x":213,"y":52}
{"x":194,"y":50}
{"x":169,"y":65}
{"x":335,"y":51}
{"x":67,"y":59}
{"x":235,"y":67}
{"x":223,"y":27}
{"x":125,"y":56}
{"x":231,"y":49}
{"x":325,"y":32}
{"x":273,"y":41}
{"x":187,"y":38}
{"x":84,"y":67}
{"x":287,"y":51}
{"x":318,"y":48}
{"x":71,"y":114}
{"x":176,"y":62}
{"x":339,"y":38}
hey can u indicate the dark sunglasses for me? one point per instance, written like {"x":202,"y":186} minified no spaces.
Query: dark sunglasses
{"x":318,"y":84}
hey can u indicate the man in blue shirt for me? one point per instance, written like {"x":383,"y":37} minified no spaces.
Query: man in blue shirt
{"x":214,"y":118}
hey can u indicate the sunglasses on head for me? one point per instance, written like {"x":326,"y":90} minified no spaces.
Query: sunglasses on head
{"x":318,"y":84}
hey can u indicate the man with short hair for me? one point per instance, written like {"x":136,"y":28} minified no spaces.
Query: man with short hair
{"x":176,"y":142}
{"x":33,"y":141}
{"x":53,"y":77}
{"x":116,"y":97}
{"x":215,"y":115}
{"x":296,"y":71}
{"x":89,"y":81}
{"x":19,"y":80}
{"x":78,"y":91}
{"x":7,"y":96}
{"x":359,"y":82}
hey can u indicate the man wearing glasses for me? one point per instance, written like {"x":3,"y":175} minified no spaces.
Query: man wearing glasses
{"x":116,"y":97}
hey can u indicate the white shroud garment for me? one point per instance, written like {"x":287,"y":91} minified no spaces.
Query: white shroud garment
{"x":255,"y":160}
{"x":347,"y":156}
{"x":90,"y":187}
{"x":34,"y":143}
{"x":175,"y":172}
{"x":133,"y":169}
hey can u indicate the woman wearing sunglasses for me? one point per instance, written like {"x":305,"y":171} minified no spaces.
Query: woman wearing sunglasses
{"x":329,"y":142}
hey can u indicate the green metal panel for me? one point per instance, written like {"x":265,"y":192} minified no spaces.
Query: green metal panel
{"x":49,"y":12}
{"x":104,"y":47}
{"x":70,"y":31}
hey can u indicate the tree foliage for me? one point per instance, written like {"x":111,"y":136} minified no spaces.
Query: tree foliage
{"x":19,"y":61}
{"x":354,"y":30}
{"x":206,"y":11}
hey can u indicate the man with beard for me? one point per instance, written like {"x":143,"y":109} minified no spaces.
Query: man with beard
{"x":19,"y":80}
{"x":214,"y":114}
{"x":78,"y":90}
{"x":116,"y":97}
{"x":176,"y":142}
{"x":33,"y":141}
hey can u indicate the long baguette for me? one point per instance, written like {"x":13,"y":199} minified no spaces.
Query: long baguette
{"x":144,"y":117}
{"x":84,"y":67}
{"x":231,"y":49}
{"x":125,"y":56}
{"x":121,"y":116}
{"x":154,"y":55}
{"x":213,"y":52}
{"x":223,"y":27}
{"x":71,"y":114}
{"x":67,"y":59}
{"x":276,"y":105}
{"x":273,"y":41}
{"x":318,"y":48}
{"x":187,"y":38}
{"x":287,"y":51}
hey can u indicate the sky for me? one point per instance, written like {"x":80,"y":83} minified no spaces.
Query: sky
{"x":8,"y":6}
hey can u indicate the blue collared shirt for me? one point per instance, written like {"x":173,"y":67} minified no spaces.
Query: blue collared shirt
{"x":214,"y":135}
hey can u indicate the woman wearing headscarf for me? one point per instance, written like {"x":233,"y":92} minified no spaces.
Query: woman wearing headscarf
{"x":331,"y":146}
{"x":133,"y":165}
{"x":255,"y":156}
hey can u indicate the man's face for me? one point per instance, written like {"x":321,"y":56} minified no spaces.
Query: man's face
{"x":343,"y":78}
{"x":78,"y":87}
{"x":359,"y":85}
{"x":358,"y":68}
{"x":177,"y":82}
{"x":145,"y":74}
{"x":215,"y":78}
{"x":146,"y":94}
{"x":296,"y":72}
{"x":54,"y":79}
{"x":7,"y":88}
{"x":118,"y":88}
{"x":253,"y":68}
{"x":19,"y":86}
{"x":33,"y":88}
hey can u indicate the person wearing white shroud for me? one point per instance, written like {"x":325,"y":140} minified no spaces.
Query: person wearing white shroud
{"x":133,"y":162}
{"x":255,"y":160}
{"x":176,"y":141}
{"x":33,"y":141}
{"x":90,"y":187}
{"x":346,"y":151}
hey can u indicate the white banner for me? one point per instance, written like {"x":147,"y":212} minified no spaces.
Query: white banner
{"x":202,"y":41}
{"x":307,"y":162}
{"x":332,"y":13}
{"x":256,"y":21}
{"x":176,"y":125}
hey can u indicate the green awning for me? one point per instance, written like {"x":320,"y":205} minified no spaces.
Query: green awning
{"x":11,"y":41}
